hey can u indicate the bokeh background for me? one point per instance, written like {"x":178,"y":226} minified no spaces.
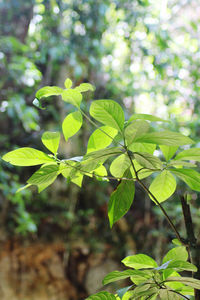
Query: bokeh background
{"x":145,"y":54}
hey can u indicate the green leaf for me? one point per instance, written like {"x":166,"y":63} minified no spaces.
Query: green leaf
{"x":72,"y":96}
{"x":180,"y":164}
{"x":51,"y":140}
{"x":178,"y":253}
{"x":101,"y":138}
{"x":27,"y":157}
{"x":142,"y":173}
{"x":142,"y":147}
{"x":146,"y":117}
{"x":117,"y":275}
{"x":121,"y":199}
{"x":180,"y":265}
{"x":190,"y":154}
{"x":38,"y":104}
{"x":68,"y":83}
{"x":46,"y":174}
{"x":163,"y":186}
{"x":102,"y":296}
{"x":139,"y":261}
{"x":103,"y":154}
{"x":48,"y":91}
{"x":147,"y":160}
{"x":169,"y":295}
{"x":120,"y":165}
{"x":71,"y":124}
{"x":145,"y":290}
{"x":195,"y":283}
{"x":122,"y":291}
{"x":109,"y":113}
{"x":23,"y":188}
{"x":134,"y":130}
{"x":189,"y":176}
{"x":166,"y":137}
{"x":67,"y":170}
{"x":84,"y":87}
{"x":168,"y":151}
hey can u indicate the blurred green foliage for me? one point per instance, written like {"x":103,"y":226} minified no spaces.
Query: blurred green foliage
{"x":142,"y":53}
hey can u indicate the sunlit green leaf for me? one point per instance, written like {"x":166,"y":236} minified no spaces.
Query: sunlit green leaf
{"x":178,"y":253}
{"x":168,"y":151}
{"x":51,"y":140}
{"x":27,"y":157}
{"x":146,"y":117}
{"x":134,"y":130}
{"x":84,"y":87}
{"x":71,"y":124}
{"x":120,"y":165}
{"x":48,"y":91}
{"x":180,"y":164}
{"x":168,"y":138}
{"x":117,"y":275}
{"x":180,"y":265}
{"x":194,"y":283}
{"x":139,"y":261}
{"x":102,"y":296}
{"x":121,"y":199}
{"x":101,"y":138}
{"x":189,"y":176}
{"x":23,"y":188}
{"x":190,"y":154}
{"x":163,"y":186}
{"x":72,"y":96}
{"x":142,"y":147}
{"x":68,"y":83}
{"x":108,"y":112}
{"x":147,"y":160}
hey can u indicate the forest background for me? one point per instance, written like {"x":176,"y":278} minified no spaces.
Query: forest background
{"x":143,"y":54}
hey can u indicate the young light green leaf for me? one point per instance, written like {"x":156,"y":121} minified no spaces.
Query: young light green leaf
{"x":48,"y":91}
{"x":84,"y":87}
{"x":117,"y":275}
{"x":134,"y":130}
{"x":27,"y":157}
{"x":166,"y":137}
{"x":168,"y":151}
{"x":101,"y":138}
{"x":139,"y":261}
{"x":142,"y":147}
{"x":190,"y":154}
{"x":163,"y":186}
{"x":178,"y":253}
{"x":195,"y":283}
{"x":102,"y":296}
{"x":109,"y":113}
{"x":141,"y":172}
{"x":44,"y":175}
{"x":147,"y":160}
{"x":146,"y":117}
{"x":120,"y":165}
{"x":189,"y":176}
{"x":180,"y":265}
{"x":103,"y":154}
{"x":71,"y":124}
{"x":121,"y":199}
{"x":51,"y":140}
{"x":72,"y":96}
{"x":68,"y":83}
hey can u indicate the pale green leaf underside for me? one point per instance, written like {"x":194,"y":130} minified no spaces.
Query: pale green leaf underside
{"x":189,"y":176}
{"x":190,"y":154}
{"x":48,"y":91}
{"x":139,"y":261}
{"x":168,"y":151}
{"x":180,"y":164}
{"x":101,"y":138}
{"x":166,"y":137}
{"x":109,"y":113}
{"x":178,"y":253}
{"x":51,"y":141}
{"x":180,"y":265}
{"x":163,"y":186}
{"x":134,"y":130}
{"x":46,"y":174}
{"x":27,"y":157}
{"x":72,"y":96}
{"x":147,"y":160}
{"x":71,"y":124}
{"x":121,"y":199}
